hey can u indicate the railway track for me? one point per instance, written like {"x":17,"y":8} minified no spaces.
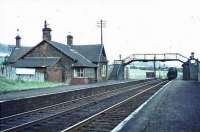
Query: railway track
{"x":28,"y":103}
{"x":65,"y":114}
{"x":107,"y":119}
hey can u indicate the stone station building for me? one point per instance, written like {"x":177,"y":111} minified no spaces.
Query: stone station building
{"x":69,"y":63}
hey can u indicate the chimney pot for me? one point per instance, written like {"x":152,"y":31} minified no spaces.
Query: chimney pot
{"x":69,"y":40}
{"x":192,"y":55}
{"x":46,"y":32}
{"x":18,"y":41}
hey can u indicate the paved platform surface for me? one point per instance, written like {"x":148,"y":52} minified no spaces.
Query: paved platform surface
{"x":42,"y":91}
{"x":176,"y":108}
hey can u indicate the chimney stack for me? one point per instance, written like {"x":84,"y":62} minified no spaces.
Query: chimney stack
{"x":46,"y":32}
{"x":69,"y":40}
{"x":18,"y":40}
{"x":192,"y":55}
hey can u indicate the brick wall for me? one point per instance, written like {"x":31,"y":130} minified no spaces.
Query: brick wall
{"x":82,"y":80}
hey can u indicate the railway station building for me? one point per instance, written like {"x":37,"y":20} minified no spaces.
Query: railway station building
{"x":69,"y":63}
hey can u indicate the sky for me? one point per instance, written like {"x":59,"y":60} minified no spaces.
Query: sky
{"x":132,"y":26}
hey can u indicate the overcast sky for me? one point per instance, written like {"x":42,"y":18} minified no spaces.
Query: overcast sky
{"x":132,"y":26}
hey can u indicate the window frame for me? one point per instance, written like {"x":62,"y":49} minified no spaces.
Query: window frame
{"x":104,"y":70}
{"x":78,"y":72}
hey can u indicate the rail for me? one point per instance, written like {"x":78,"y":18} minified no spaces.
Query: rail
{"x":30,"y":118}
{"x":106,"y":112}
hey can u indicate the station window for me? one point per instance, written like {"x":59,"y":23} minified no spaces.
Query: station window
{"x":89,"y":72}
{"x":78,"y":72}
{"x":84,"y":72}
{"x":103,"y":71}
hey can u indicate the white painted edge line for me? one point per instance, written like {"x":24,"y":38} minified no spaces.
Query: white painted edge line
{"x":133,"y":114}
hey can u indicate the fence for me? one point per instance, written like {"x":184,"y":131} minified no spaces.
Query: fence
{"x":199,"y":72}
{"x":10,"y":73}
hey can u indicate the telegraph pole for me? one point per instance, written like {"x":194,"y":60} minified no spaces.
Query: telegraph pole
{"x":100,"y":24}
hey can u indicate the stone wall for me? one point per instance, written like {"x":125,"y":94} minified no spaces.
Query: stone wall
{"x":46,"y":50}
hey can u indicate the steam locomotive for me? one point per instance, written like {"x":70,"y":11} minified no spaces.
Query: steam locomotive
{"x":172,"y":73}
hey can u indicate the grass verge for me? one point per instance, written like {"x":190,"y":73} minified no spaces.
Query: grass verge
{"x":16,"y":85}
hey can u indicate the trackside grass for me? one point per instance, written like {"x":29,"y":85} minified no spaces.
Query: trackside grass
{"x":16,"y":85}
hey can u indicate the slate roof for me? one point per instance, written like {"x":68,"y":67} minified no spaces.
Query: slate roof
{"x":76,"y":56}
{"x":83,"y":55}
{"x":17,"y":53}
{"x":31,"y":62}
{"x":91,"y":52}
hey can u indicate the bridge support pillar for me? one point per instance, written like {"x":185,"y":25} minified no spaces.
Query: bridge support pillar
{"x":121,"y":72}
{"x":191,"y":70}
{"x":154,"y":66}
{"x":126,"y":73}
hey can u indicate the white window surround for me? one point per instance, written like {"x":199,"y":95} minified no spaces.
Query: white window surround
{"x":80,"y":72}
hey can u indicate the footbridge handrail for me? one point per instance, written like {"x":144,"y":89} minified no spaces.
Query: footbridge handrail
{"x":155,"y":57}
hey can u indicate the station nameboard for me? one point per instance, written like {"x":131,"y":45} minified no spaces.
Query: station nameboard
{"x":25,"y":71}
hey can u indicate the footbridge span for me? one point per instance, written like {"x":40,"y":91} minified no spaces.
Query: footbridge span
{"x":155,"y":57}
{"x":117,"y":71}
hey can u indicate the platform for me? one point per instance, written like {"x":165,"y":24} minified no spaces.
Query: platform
{"x":175,"y":108}
{"x":13,"y":95}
